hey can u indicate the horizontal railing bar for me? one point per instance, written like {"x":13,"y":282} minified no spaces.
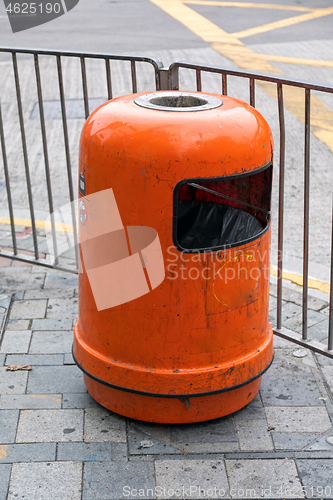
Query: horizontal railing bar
{"x":303,"y":343}
{"x":257,"y":76}
{"x":32,"y":260}
{"x":101,"y":55}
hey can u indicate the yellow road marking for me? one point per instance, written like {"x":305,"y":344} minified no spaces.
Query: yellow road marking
{"x":212,"y":34}
{"x":40,"y":224}
{"x":44,"y":396}
{"x":229,"y":46}
{"x":298,"y":280}
{"x":288,"y":60}
{"x":284,"y":23}
{"x":250,"y":5}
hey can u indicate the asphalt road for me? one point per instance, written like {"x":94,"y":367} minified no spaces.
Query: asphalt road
{"x":293,"y":38}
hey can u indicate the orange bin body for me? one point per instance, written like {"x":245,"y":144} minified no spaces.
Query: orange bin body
{"x":165,"y":333}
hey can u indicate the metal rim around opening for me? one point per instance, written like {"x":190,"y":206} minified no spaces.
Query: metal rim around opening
{"x":178,"y":101}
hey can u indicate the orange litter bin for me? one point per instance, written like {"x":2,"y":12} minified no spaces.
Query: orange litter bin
{"x":174,"y":242}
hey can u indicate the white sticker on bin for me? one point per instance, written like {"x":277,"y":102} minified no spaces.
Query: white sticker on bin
{"x":122,"y":263}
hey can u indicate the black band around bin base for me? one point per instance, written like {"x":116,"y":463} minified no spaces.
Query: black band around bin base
{"x":177,"y":396}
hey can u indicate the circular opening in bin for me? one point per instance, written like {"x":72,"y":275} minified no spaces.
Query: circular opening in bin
{"x":178,"y":101}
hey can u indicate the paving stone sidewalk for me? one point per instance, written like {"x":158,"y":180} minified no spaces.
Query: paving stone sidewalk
{"x":56,"y":442}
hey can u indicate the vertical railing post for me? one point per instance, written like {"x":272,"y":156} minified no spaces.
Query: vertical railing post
{"x":306,"y":215}
{"x":281,"y":205}
{"x":174,"y":78}
{"x":224,"y":84}
{"x":252,"y":92}
{"x":68,"y":158}
{"x":9,"y":194}
{"x":198,"y":78}
{"x":134,"y":79}
{"x":84,"y":86}
{"x":46,"y":155}
{"x":330,"y":324}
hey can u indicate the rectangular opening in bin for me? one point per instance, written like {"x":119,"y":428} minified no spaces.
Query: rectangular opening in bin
{"x":217,"y":213}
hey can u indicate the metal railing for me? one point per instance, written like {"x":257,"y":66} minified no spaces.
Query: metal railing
{"x":280,"y":82}
{"x":163,"y":79}
{"x":57,"y":59}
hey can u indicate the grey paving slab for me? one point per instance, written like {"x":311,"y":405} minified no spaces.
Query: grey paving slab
{"x":87,"y":452}
{"x":2,"y":359}
{"x":68,"y":358}
{"x":316,"y":476}
{"x":12,"y":382}
{"x":32,"y":452}
{"x":46,"y":480}
{"x":56,"y":379}
{"x":293,"y":296}
{"x":191,"y":479}
{"x":295,"y":323}
{"x":280,"y":343}
{"x":18,"y":324}
{"x":22,"y":281}
{"x":60,"y":280}
{"x":66,"y":308}
{"x":101,"y":425}
{"x":112,"y":480}
{"x":16,"y":342}
{"x":290,"y":391}
{"x":328,"y":374}
{"x":19,"y":295}
{"x":285,"y":363}
{"x":8,"y":425}
{"x":264,"y":478}
{"x":298,"y":419}
{"x":4,"y":479}
{"x":16,"y":271}
{"x":322,"y":443}
{"x":289,"y":310}
{"x":160,"y":432}
{"x":23,"y":242}
{"x":83,"y":400}
{"x":30,"y":401}
{"x":219,"y":430}
{"x":28,"y":309}
{"x":292,"y":440}
{"x":52,"y":324}
{"x":318,"y":331}
{"x":35,"y":359}
{"x":140,"y":443}
{"x":38,"y":426}
{"x":50,"y":293}
{"x":51,"y":342}
{"x":2,"y":317}
{"x":119,"y":452}
{"x":312,"y":454}
{"x":253,"y":435}
{"x":323,"y":360}
{"x":273,"y":302}
{"x":325,"y":311}
{"x":254,"y":410}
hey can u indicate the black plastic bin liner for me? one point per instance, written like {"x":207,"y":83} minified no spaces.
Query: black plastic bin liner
{"x":207,"y":225}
